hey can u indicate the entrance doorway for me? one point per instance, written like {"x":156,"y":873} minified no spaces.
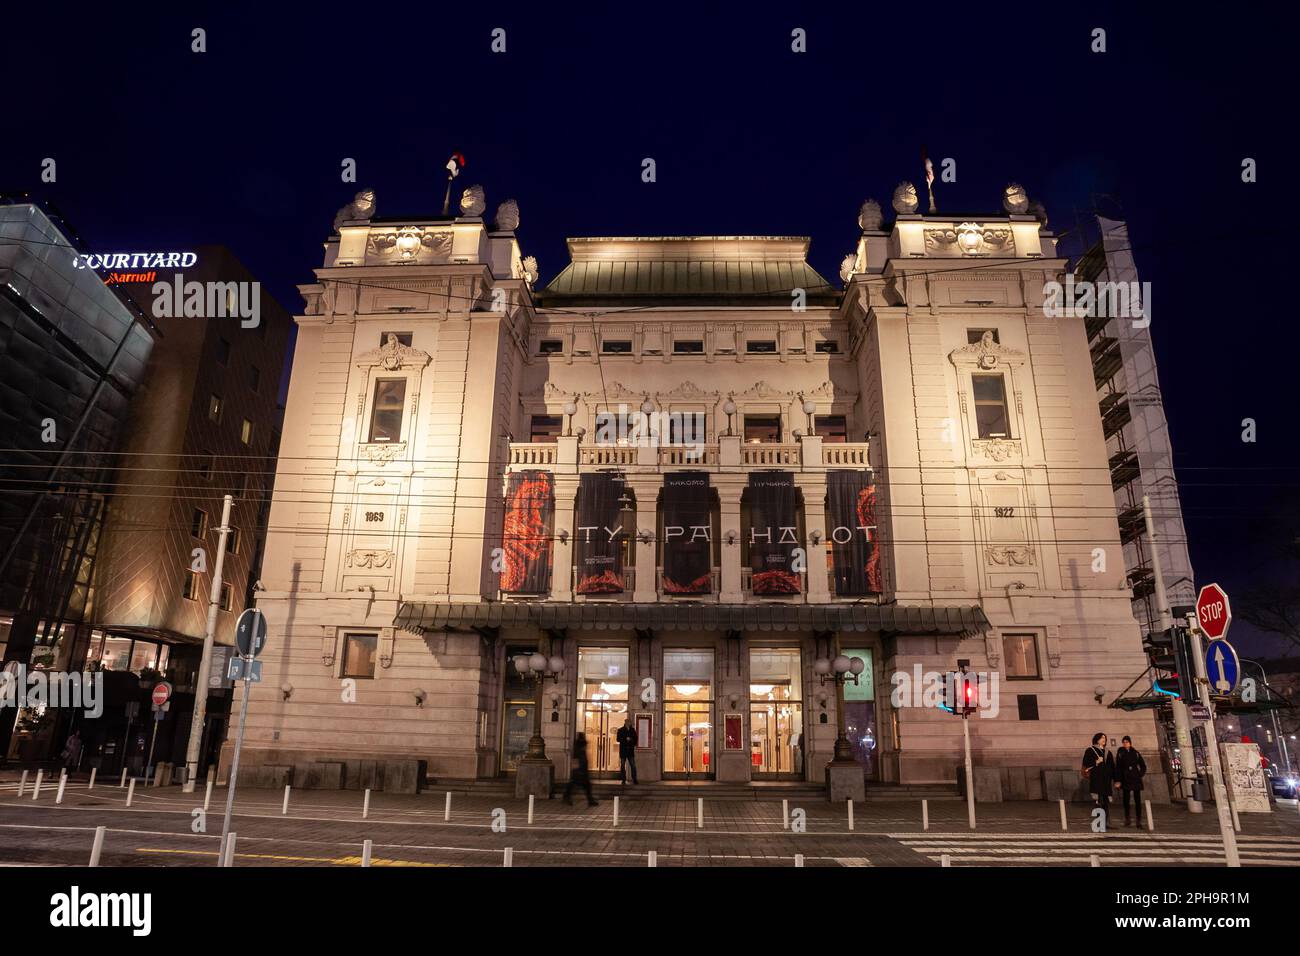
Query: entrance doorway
{"x":602,"y":703}
{"x":518,"y":711}
{"x":688,"y":713}
{"x":775,"y":713}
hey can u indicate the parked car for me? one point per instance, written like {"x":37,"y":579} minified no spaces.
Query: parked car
{"x":1284,"y":785}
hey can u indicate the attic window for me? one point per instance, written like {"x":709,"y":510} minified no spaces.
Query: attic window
{"x":688,"y":347}
{"x":616,"y":347}
{"x":550,"y":347}
{"x":828,"y":347}
{"x":760,"y":347}
{"x":403,"y":338}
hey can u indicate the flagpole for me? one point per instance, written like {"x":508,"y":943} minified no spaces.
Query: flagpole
{"x":446,"y":199}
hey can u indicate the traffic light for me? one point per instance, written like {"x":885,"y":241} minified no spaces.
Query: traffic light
{"x":960,"y":693}
{"x":1170,"y":652}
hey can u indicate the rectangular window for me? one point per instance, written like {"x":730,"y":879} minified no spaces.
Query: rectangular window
{"x":214,"y":408}
{"x":403,"y":338}
{"x":762,"y":428}
{"x":386,"y":415}
{"x":832,"y":429}
{"x":246,"y":432}
{"x":199,"y":523}
{"x":143,"y":656}
{"x":254,"y":378}
{"x":616,"y":347}
{"x":190,"y":586}
{"x":688,"y":428}
{"x":973,"y":336}
{"x":1020,"y":656}
{"x":760,"y":346}
{"x":828,"y":347}
{"x":688,"y":347}
{"x":359,"y":655}
{"x":206,"y":465}
{"x":1027,"y":704}
{"x":232,"y":541}
{"x":226,"y":593}
{"x":550,"y":347}
{"x":991,"y":406}
{"x":223,"y":351}
{"x":545,"y":428}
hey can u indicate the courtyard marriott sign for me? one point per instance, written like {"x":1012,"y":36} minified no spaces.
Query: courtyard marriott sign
{"x":136,"y":260}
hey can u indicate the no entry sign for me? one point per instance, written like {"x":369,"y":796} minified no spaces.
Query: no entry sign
{"x":162,"y":692}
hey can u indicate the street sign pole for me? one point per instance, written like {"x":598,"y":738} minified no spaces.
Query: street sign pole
{"x":247,"y":663}
{"x":205,"y":661}
{"x":1212,"y":745}
{"x":1182,"y":720}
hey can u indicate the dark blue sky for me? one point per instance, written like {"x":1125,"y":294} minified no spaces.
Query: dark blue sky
{"x":158,"y":147}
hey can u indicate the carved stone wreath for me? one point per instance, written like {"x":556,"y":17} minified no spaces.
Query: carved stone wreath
{"x":409,"y":243}
{"x":969,"y":239}
{"x":381,"y":453}
{"x":393,"y":355}
{"x":365,"y":558}
{"x":998,"y":449}
{"x":1009,"y":556}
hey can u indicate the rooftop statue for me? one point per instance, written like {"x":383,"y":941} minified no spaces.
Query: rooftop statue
{"x":869,"y":216}
{"x":362,"y":208}
{"x":905,"y":198}
{"x":1015,"y":200}
{"x":507,"y":216}
{"x":473,"y":202}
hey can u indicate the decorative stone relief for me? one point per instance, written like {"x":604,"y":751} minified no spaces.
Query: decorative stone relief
{"x":763,"y":389}
{"x":970,"y":239}
{"x":367,"y":558}
{"x":997,"y":449}
{"x":409,"y":243}
{"x":381,"y":453}
{"x":1009,"y":556}
{"x":986,"y":354}
{"x":688,"y":390}
{"x":392,"y":356}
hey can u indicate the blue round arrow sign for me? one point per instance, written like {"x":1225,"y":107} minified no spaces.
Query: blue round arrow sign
{"x":250,"y":632}
{"x":1222,"y":667}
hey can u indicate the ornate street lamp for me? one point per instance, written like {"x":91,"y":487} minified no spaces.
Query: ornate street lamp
{"x":538,"y":667}
{"x":570,"y":409}
{"x":729,"y":409}
{"x":841,"y":670}
{"x":810,"y":409}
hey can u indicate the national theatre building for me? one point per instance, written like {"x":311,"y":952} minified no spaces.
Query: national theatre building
{"x":690,"y":483}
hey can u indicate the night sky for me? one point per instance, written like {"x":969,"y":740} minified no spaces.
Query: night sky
{"x":162,"y":148}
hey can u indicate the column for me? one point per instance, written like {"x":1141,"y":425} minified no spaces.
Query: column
{"x":646,"y":491}
{"x":566,"y":493}
{"x":729,"y":492}
{"x":814,"y":518}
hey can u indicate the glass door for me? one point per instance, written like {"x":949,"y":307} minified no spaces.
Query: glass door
{"x":688,"y":713}
{"x":518,"y":710}
{"x":602,"y":703}
{"x":775,"y":713}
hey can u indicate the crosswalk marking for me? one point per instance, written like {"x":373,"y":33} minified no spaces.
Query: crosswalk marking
{"x":1066,"y":849}
{"x":852,"y":861}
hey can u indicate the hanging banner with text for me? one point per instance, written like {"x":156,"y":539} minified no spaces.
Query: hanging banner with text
{"x":773,"y":533}
{"x":599,"y":534}
{"x":688,"y":545}
{"x":526,"y":536}
{"x":855,"y":548}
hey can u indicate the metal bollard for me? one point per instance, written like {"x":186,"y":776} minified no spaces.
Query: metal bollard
{"x":365,"y":806}
{"x":945,"y":860}
{"x":97,"y":847}
{"x":207,"y":797}
{"x":1236,"y":820}
{"x":531,"y":798}
{"x":925,"y":814}
{"x":93,"y":772}
{"x":850,"y":803}
{"x":1151,"y":822}
{"x":699,"y":814}
{"x":509,"y":857}
{"x":367,"y":849}
{"x":284,"y":808}
{"x":785,"y":814}
{"x":130,"y":792}
{"x":652,"y":859}
{"x":63,"y":785}
{"x":798,"y":860}
{"x":228,"y":851}
{"x":122,"y":782}
{"x":36,"y":791}
{"x":1064,"y":823}
{"x":446,"y":811}
{"x":1094,"y":860}
{"x":22,"y":786}
{"x":615,"y":811}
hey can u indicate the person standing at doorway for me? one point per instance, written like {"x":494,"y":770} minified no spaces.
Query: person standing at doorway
{"x":72,"y":752}
{"x":1130,"y":768}
{"x":627,"y":750}
{"x":579,"y":772}
{"x":1098,"y":765}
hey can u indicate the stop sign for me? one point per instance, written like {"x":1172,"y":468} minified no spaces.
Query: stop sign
{"x":1213,"y":612}
{"x":162,"y":691}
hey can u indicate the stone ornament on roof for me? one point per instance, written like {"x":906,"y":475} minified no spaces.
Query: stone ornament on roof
{"x":529,"y":266}
{"x":970,"y":239}
{"x":869,"y":216}
{"x":361,"y":209}
{"x":409,"y":243}
{"x":473,"y":201}
{"x":1015,"y":200}
{"x":393,"y":355}
{"x":905,"y":201}
{"x":507,"y":218}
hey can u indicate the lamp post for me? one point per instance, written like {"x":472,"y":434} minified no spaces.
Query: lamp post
{"x":810,"y":409}
{"x":538,"y":667}
{"x":570,"y":409}
{"x":729,"y":409}
{"x":841,"y":670}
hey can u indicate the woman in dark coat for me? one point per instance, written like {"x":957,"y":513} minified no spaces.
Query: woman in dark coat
{"x":1098,"y":765}
{"x":1130,"y":768}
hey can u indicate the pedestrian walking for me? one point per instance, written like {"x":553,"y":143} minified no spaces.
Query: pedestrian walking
{"x":627,"y":750}
{"x":71,"y":754}
{"x":1098,"y":766}
{"x":578,"y":773}
{"x":1130,"y":768}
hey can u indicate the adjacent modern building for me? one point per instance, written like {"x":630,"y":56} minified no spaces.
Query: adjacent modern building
{"x":690,"y":484}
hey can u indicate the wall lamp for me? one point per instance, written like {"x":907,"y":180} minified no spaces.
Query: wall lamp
{"x":420,"y":697}
{"x":286,"y":691}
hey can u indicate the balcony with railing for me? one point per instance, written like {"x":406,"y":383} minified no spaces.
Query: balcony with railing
{"x":569,"y":454}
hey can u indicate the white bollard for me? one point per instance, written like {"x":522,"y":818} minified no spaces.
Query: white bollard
{"x":945,"y":860}
{"x":1094,"y":860}
{"x":93,"y":772}
{"x":97,"y":847}
{"x":616,"y":810}
{"x":22,"y":786}
{"x":531,"y":798}
{"x":284,"y":807}
{"x":367,"y":849}
{"x":130,"y":792}
{"x":446,"y":811}
{"x":122,"y":783}
{"x":699,"y":814}
{"x":207,"y":797}
{"x":228,"y":858}
{"x":63,"y":785}
{"x":365,"y":806}
{"x":1151,"y":822}
{"x":509,"y":857}
{"x":850,"y":803}
{"x":36,"y":791}
{"x":1065,"y":825}
{"x":1236,"y":820}
{"x":925,"y":814}
{"x":785,"y":814}
{"x":652,"y":859}
{"x":798,"y":860}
